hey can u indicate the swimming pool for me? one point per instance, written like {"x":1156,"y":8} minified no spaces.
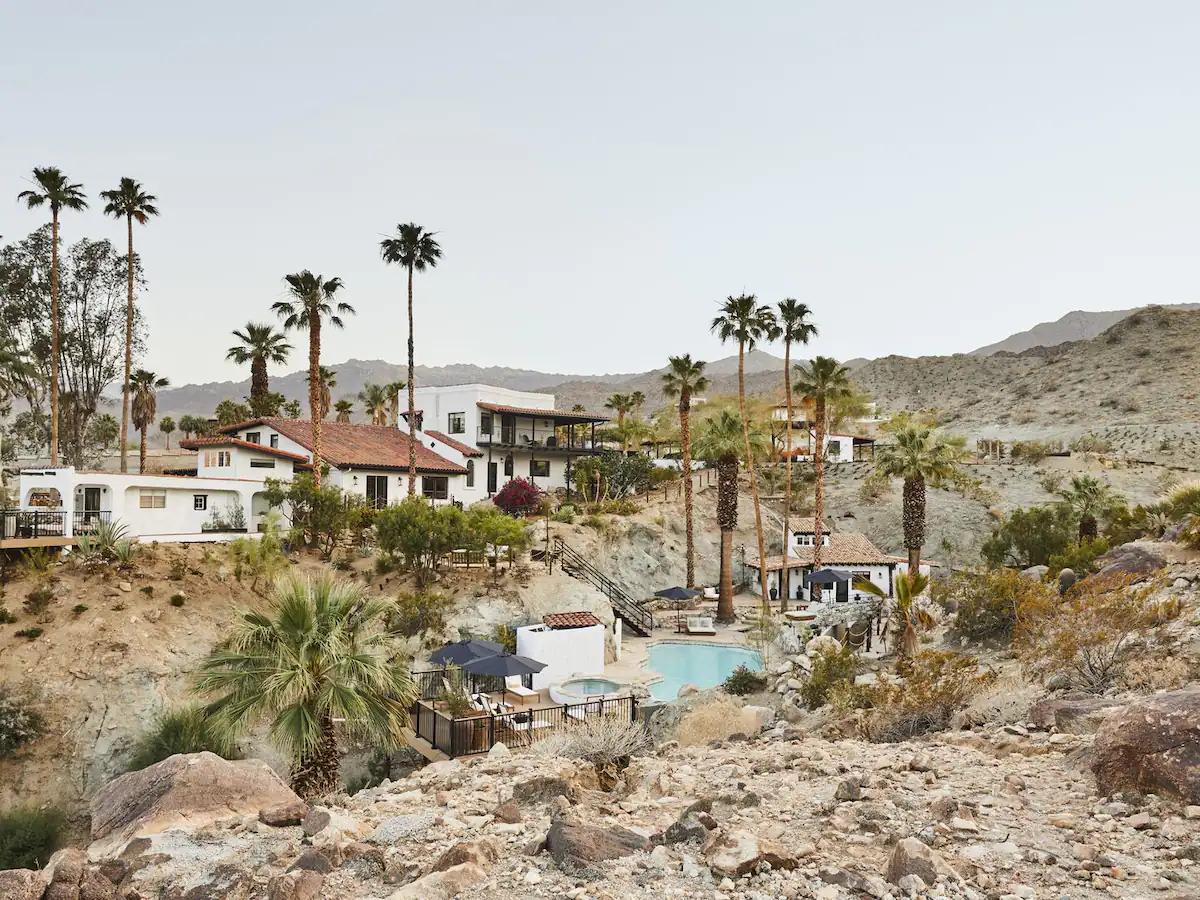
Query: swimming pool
{"x":704,"y":665}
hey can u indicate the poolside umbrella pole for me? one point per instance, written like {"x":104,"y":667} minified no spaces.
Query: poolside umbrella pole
{"x":503,"y":665}
{"x":678,"y":594}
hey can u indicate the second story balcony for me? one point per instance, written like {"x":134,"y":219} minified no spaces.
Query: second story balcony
{"x":561,"y":441}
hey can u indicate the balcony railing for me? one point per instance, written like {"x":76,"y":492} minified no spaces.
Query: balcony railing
{"x":30,"y":524}
{"x":89,"y":520}
{"x":524,"y":439}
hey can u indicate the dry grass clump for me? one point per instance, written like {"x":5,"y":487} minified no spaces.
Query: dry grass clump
{"x":603,"y":742}
{"x":1184,"y":498}
{"x":716,"y":720}
{"x":1005,"y":701}
{"x":1146,"y":675}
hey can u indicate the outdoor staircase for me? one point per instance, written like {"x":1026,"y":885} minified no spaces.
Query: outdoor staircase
{"x":636,"y":618}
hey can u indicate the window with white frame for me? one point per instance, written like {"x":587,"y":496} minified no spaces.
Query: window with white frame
{"x":457,"y":423}
{"x":200,"y":502}
{"x":217,"y":459}
{"x":254,"y":437}
{"x":152,"y":499}
{"x":275,"y":440}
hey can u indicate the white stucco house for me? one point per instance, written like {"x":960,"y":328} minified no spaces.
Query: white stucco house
{"x":839,"y":447}
{"x":571,"y":644}
{"x":516,"y":434}
{"x":843,"y":552}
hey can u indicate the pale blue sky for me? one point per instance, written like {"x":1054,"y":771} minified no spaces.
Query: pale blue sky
{"x":928,"y":176}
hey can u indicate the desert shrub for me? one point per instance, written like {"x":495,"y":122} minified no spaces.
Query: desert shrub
{"x":20,"y":722}
{"x":148,"y":590}
{"x":39,"y":562}
{"x":1092,"y":633}
{"x":565,"y":514}
{"x":714,"y":720}
{"x":932,"y":686}
{"x":123,"y":553}
{"x":597,"y":522}
{"x":6,"y":617}
{"x":831,"y":667}
{"x":28,"y":837}
{"x":79,"y":609}
{"x":622,"y":507}
{"x":875,"y":489}
{"x":317,"y":515}
{"x":1184,"y":499}
{"x":420,"y":534}
{"x":38,"y":600}
{"x":744,"y":680}
{"x":261,"y":559}
{"x":416,"y":614}
{"x":1051,"y":482}
{"x":100,"y":545}
{"x":660,"y":475}
{"x":179,"y":567}
{"x":1029,"y":537}
{"x":1127,"y":524}
{"x":178,"y":600}
{"x":384,"y":564}
{"x":187,"y":729}
{"x":611,"y":475}
{"x":1158,"y":672}
{"x":1090,"y":443}
{"x":1035,"y":451}
{"x":987,"y":603}
{"x":1080,"y":558}
{"x":604,"y":742}
{"x":30,"y":634}
{"x":520,"y":497}
{"x":506,"y":637}
{"x":1005,"y":701}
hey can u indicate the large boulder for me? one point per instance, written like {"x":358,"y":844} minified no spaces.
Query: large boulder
{"x":739,"y":852}
{"x":912,"y":857}
{"x":457,"y":881}
{"x":189,"y":791}
{"x":1129,"y":560}
{"x":572,"y":846}
{"x":1152,"y":746}
{"x":21,"y":884}
{"x":1081,"y":716}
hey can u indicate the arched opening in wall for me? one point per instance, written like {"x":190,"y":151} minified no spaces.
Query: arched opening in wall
{"x":44,"y":498}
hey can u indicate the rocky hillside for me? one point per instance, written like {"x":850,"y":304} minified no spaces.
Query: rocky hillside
{"x":1077,"y":325}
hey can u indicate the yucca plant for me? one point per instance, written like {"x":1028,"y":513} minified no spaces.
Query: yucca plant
{"x":1184,"y":499}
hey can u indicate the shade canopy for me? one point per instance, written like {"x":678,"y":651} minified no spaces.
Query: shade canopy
{"x":676,"y":593}
{"x":461,"y":652}
{"x":503,"y":664}
{"x":827,"y":576}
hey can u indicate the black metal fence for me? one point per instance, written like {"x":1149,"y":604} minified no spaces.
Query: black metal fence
{"x":29,"y":524}
{"x":478,"y":733}
{"x":432,"y":682}
{"x":87,"y":521}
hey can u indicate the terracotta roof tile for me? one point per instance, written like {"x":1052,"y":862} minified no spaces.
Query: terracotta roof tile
{"x":843,"y":550}
{"x":364,"y":446}
{"x":465,"y":449}
{"x":571,"y":620}
{"x":226,"y":441}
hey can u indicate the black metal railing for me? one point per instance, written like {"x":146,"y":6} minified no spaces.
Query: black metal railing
{"x":30,"y":524}
{"x":624,"y":606}
{"x":523,"y":439}
{"x":430,"y":683}
{"x":87,"y":521}
{"x":479,"y":732}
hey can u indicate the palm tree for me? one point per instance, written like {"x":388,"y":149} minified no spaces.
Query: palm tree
{"x":683,"y":378}
{"x":742,"y":319}
{"x":795,"y":328}
{"x":415,"y":249}
{"x":908,"y":587}
{"x":918,"y":456}
{"x":190,"y":425}
{"x":636,"y":401}
{"x":374,"y":398}
{"x":166,"y":425}
{"x":393,"y":389}
{"x":319,"y":654}
{"x":822,"y":381}
{"x":578,"y":407}
{"x":1088,"y":497}
{"x":343,"y":409}
{"x":621,"y":404}
{"x":144,"y":386}
{"x":313,"y":300}
{"x":328,"y":382}
{"x":260,"y":344}
{"x":55,"y":190}
{"x":131,"y":203}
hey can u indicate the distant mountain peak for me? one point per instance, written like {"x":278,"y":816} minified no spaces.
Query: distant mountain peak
{"x":1077,"y":325}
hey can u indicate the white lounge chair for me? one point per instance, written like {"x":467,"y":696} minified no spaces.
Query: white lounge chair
{"x":700,"y":625}
{"x":710,"y":593}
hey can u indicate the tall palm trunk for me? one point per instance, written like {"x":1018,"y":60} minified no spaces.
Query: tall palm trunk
{"x":318,"y":772}
{"x":819,"y":468}
{"x":685,"y":415}
{"x":784,"y":580}
{"x":914,"y":522}
{"x":762,"y":552}
{"x":412,"y":399}
{"x":727,"y":489}
{"x":142,"y":453}
{"x":259,"y":382}
{"x":314,"y":391}
{"x":54,"y":339}
{"x":128,"y":355}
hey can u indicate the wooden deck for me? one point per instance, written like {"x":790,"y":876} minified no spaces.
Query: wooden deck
{"x":30,"y":543}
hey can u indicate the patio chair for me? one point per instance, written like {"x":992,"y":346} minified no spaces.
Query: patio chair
{"x":710,"y":593}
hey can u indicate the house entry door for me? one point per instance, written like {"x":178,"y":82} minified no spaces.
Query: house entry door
{"x":91,"y":499}
{"x":492,"y":473}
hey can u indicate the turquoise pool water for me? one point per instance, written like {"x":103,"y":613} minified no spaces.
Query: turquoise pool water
{"x":591,"y":686}
{"x":704,"y":665}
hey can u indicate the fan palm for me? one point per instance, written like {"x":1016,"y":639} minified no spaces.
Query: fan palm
{"x":328,"y":381}
{"x":1088,"y":497}
{"x":313,"y":300}
{"x":908,"y":587}
{"x":415,"y":249}
{"x":374,"y":398}
{"x":343,"y":409}
{"x":794,"y":328}
{"x":683,"y":378}
{"x":55,"y":190}
{"x":317,"y":655}
{"x":129,"y":202}
{"x":918,"y":455}
{"x":620,"y":404}
{"x":144,"y":386}
{"x":744,"y":320}
{"x":260,"y":345}
{"x":636,"y":401}
{"x":822,"y":381}
{"x":166,"y":426}
{"x":393,"y":389}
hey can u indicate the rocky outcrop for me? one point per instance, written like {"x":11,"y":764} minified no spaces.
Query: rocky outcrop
{"x":912,"y":857}
{"x":738,"y":852}
{"x":573,"y":846}
{"x":1152,"y":746}
{"x":1130,"y":560}
{"x":189,"y":790}
{"x":21,"y":884}
{"x":1080,"y":716}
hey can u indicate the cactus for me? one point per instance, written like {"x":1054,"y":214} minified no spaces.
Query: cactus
{"x":1066,"y":580}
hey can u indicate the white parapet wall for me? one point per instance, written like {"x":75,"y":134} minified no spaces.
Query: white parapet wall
{"x":567,"y":652}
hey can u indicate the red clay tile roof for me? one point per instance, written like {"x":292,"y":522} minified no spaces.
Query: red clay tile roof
{"x":844,"y":549}
{"x":197,"y":443}
{"x":465,"y":449}
{"x":571,"y":620}
{"x":557,"y":414}
{"x":364,"y":446}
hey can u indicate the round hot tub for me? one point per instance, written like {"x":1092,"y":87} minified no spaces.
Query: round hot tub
{"x":578,"y":690}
